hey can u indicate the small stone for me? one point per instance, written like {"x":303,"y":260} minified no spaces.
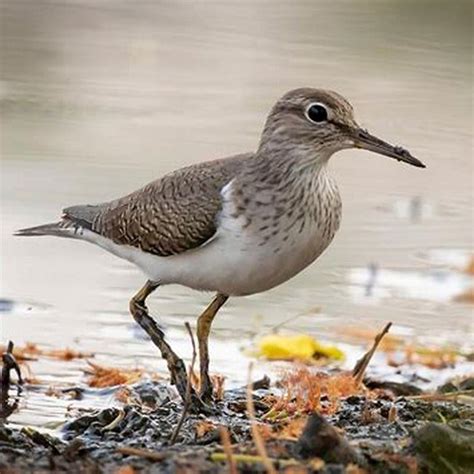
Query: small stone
{"x":320,"y":439}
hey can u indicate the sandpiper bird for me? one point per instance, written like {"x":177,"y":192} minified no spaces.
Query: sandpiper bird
{"x":234,"y":226}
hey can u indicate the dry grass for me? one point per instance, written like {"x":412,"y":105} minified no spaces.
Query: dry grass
{"x":432,"y":358}
{"x":401,"y":352}
{"x":303,"y":390}
{"x":100,"y":376}
{"x":31,"y":351}
{"x":227,"y":446}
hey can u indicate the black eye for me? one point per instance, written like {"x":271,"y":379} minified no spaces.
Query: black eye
{"x":317,"y":113}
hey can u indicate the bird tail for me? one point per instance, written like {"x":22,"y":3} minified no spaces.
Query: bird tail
{"x":63,"y":228}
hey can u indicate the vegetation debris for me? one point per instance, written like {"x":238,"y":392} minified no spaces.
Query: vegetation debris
{"x":100,"y":376}
{"x":300,"y":347}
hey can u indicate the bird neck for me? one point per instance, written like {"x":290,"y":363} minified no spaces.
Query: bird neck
{"x":291,"y":165}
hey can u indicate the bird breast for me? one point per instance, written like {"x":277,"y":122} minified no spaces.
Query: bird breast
{"x":272,"y":233}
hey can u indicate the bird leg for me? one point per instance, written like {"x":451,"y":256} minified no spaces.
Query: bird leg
{"x":203,"y":330}
{"x":176,"y":366}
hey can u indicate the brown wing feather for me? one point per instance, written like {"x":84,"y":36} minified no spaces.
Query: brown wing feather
{"x":168,"y":216}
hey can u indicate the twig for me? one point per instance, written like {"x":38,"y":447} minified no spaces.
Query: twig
{"x":187,"y":401}
{"x":115,"y":422}
{"x":9,"y":364}
{"x":439,"y":397}
{"x":226,"y":444}
{"x":259,"y":444}
{"x":143,"y":453}
{"x":362,"y":364}
{"x":252,"y":459}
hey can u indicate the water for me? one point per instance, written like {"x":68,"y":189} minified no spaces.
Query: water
{"x":99,"y":98}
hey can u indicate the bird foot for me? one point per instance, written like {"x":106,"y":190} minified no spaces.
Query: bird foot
{"x":176,"y":367}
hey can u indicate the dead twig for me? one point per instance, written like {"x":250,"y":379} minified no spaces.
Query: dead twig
{"x":9,"y":364}
{"x":362,"y":364}
{"x":226,"y":444}
{"x":143,"y":453}
{"x":115,"y":422}
{"x":187,"y":401}
{"x":253,"y":459}
{"x":257,"y":438}
{"x":441,"y":397}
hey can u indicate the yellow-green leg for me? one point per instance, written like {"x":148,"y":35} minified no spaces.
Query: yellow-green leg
{"x":175,"y":365}
{"x":203,"y":330}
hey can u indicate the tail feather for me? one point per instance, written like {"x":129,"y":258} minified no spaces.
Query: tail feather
{"x":64,"y":228}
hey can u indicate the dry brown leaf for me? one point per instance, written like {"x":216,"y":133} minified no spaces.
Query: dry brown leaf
{"x":317,"y":464}
{"x":67,"y":354}
{"x":195,"y":379}
{"x":370,"y":415}
{"x":21,"y":354}
{"x":432,"y":358}
{"x":295,"y":470}
{"x":292,"y":429}
{"x":52,"y":392}
{"x":31,"y":351}
{"x":101,"y":376}
{"x":123,"y":395}
{"x":218,"y":381}
{"x":203,"y":427}
{"x":392,"y":414}
{"x":354,"y":469}
{"x":465,"y":297}
{"x":470,"y":266}
{"x":125,"y":470}
{"x":30,"y":380}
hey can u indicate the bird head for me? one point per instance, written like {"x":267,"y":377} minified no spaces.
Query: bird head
{"x":316,"y":123}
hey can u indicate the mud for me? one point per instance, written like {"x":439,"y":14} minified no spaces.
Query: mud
{"x":381,"y":434}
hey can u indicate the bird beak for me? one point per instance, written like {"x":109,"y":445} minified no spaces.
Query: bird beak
{"x":366,"y":141}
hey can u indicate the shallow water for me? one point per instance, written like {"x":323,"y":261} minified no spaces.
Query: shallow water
{"x":100,"y":98}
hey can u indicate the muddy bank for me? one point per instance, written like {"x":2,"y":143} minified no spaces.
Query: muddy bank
{"x":368,"y":431}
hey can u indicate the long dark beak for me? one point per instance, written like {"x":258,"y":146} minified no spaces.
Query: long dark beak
{"x":366,"y":141}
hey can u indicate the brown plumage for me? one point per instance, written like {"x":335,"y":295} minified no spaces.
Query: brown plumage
{"x":167,"y":216}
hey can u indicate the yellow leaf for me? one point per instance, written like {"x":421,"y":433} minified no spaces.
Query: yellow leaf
{"x":300,"y":346}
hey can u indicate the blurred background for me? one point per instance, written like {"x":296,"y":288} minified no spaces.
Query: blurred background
{"x":100,"y":97}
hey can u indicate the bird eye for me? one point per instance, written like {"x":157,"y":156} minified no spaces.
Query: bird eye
{"x":317,"y":113}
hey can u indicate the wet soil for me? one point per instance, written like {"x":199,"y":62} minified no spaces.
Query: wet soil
{"x":379,"y":434}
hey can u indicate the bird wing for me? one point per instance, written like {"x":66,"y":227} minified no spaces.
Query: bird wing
{"x":168,"y":216}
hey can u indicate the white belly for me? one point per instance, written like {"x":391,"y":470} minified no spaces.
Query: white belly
{"x":232,"y":263}
{"x":235,"y":264}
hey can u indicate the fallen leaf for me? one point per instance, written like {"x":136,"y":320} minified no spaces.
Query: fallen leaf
{"x":292,"y":429}
{"x":31,"y":351}
{"x":470,"y":266}
{"x":123,"y":395}
{"x":101,"y":376}
{"x":218,"y":381}
{"x":203,"y":427}
{"x":125,"y":470}
{"x":465,"y":297}
{"x":434,"y":358}
{"x":296,"y":347}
